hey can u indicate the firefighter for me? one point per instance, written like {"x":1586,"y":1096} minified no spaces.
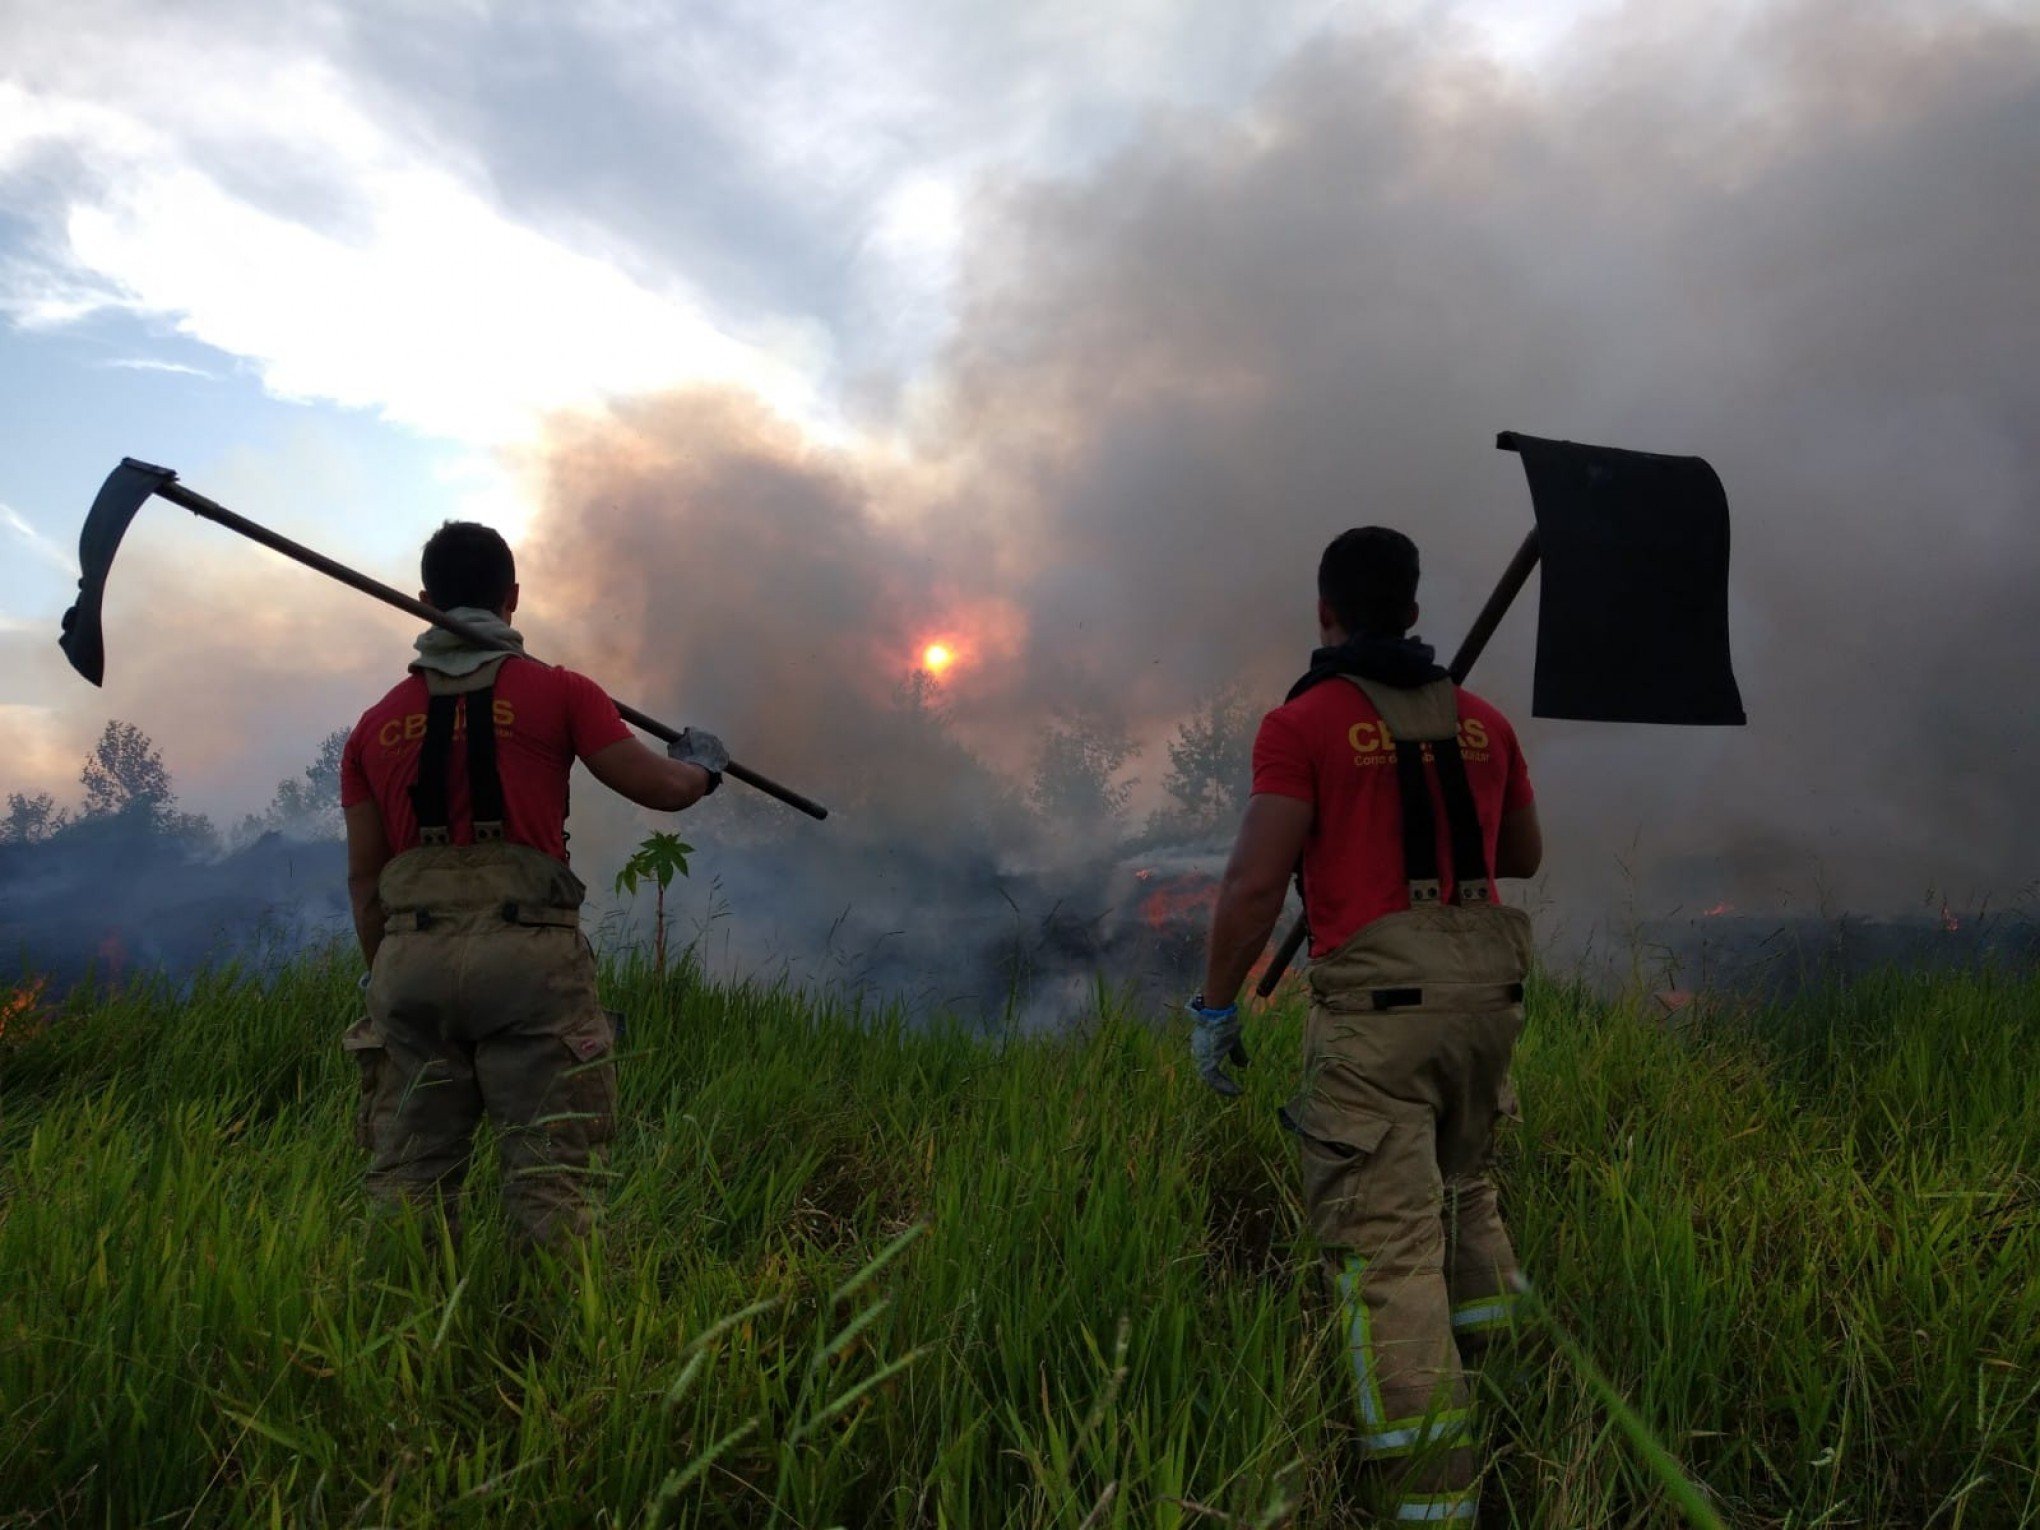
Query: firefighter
{"x":1402,"y":798}
{"x":481,"y":986}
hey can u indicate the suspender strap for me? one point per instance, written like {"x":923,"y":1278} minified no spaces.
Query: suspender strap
{"x":1419,"y":827}
{"x":431,"y":795}
{"x":1462,"y":822}
{"x":428,"y":792}
{"x":485,"y":782}
{"x":1419,"y":718}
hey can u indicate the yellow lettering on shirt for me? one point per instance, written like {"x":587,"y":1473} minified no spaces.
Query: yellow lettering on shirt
{"x":1372,"y":743}
{"x":411,"y":726}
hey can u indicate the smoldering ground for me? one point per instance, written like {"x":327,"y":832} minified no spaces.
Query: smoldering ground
{"x":1791,"y":239}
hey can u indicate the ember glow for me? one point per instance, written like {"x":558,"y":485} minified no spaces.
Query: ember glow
{"x":20,"y":1011}
{"x":1179,"y":900}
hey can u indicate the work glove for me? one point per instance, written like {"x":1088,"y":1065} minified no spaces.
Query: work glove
{"x":1214,"y":1042}
{"x":697,"y":746}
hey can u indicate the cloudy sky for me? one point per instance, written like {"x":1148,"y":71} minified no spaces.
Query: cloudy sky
{"x":337,"y":263}
{"x":782,"y":334}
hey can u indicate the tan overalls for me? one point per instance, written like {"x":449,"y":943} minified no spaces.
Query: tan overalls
{"x":482,"y":1002}
{"x":1406,"y":1069}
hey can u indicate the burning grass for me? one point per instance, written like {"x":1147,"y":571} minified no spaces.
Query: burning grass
{"x":21,"y":1011}
{"x":1804,"y":1254}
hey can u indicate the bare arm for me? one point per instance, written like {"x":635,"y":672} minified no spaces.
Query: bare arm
{"x":1519,"y":847}
{"x":368,"y":851}
{"x":650,"y":780}
{"x":1250,"y":896}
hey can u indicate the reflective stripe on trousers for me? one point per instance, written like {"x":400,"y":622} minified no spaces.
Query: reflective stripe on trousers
{"x":1487,"y":1315}
{"x":1380,"y":1435}
{"x":1437,"y":1508}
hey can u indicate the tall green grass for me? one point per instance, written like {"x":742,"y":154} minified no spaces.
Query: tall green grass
{"x":859,"y":1273}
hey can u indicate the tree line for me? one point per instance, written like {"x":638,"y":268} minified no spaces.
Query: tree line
{"x":124,"y":779}
{"x":1080,"y":779}
{"x":1079,"y":782}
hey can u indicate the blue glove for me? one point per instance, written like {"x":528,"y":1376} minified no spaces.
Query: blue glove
{"x":699,"y":747}
{"x":1215,"y":1041}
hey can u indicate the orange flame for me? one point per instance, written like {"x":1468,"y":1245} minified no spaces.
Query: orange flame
{"x":1723,"y":907}
{"x":1949,"y":923}
{"x":937,"y":658}
{"x":20,"y":1010}
{"x":1179,"y":900}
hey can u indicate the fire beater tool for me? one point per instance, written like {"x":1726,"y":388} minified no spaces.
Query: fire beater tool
{"x":1633,"y":616}
{"x":129,"y":486}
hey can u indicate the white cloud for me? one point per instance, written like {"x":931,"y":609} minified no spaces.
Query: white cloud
{"x":421,"y":300}
{"x":441,"y":313}
{"x":39,"y":546}
{"x":157,"y":364}
{"x":262,"y":181}
{"x":293,"y":187}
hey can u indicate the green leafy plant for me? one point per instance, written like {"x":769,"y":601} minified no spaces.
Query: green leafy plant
{"x":658,"y":860}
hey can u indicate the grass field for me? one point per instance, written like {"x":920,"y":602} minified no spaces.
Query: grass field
{"x":855,"y":1274}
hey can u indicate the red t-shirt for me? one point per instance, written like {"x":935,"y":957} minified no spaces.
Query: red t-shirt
{"x":545,"y":720}
{"x":1328,"y":748}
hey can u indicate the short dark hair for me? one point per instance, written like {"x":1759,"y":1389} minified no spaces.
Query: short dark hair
{"x":467,"y":564}
{"x":1368,"y":576}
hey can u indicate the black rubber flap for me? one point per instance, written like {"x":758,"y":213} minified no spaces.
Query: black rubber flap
{"x":1633,"y":620}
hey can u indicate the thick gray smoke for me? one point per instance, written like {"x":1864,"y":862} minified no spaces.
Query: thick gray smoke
{"x":1799,"y":246}
{"x":1796,"y":242}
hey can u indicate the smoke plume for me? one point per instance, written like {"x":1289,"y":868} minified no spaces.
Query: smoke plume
{"x":1794,"y":245}
{"x":1794,"y":240}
